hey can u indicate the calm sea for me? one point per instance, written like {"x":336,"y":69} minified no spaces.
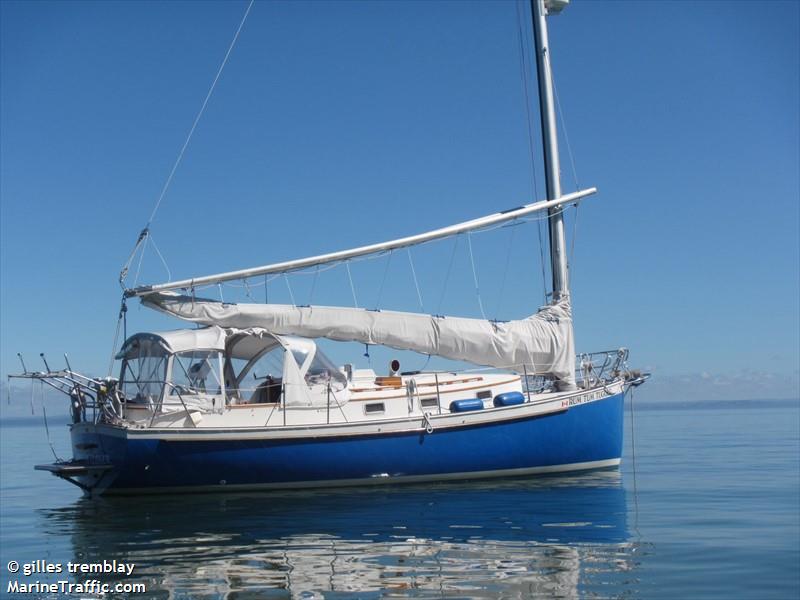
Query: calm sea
{"x":708,"y":506}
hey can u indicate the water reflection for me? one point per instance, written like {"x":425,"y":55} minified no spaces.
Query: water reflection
{"x":561,"y":537}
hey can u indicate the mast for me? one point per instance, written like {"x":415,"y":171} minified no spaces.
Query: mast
{"x":552,"y":169}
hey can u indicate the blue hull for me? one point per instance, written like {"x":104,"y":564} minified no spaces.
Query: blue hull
{"x":584,"y":436}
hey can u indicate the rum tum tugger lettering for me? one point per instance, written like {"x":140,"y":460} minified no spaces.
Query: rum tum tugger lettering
{"x":583,"y":398}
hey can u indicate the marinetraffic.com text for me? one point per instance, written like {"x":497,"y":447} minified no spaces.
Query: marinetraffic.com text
{"x":28,"y":582}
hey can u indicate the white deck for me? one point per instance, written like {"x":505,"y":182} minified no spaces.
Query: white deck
{"x":352,"y":418}
{"x":371,"y":399}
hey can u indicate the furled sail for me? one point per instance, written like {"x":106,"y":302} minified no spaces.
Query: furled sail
{"x":542,"y":343}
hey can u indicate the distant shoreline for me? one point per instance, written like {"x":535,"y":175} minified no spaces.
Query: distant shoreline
{"x":641,"y":404}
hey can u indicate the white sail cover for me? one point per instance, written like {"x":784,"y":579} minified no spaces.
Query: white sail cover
{"x":542,"y":343}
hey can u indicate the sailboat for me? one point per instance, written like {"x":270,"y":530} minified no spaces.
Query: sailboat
{"x":246,"y":399}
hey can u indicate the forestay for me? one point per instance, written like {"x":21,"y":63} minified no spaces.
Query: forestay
{"x":541,"y":344}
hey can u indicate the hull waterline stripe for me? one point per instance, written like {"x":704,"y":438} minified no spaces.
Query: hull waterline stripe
{"x":402,"y":479}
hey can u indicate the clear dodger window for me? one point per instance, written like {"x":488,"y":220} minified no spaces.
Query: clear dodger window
{"x":144,"y":370}
{"x":322,"y":370}
{"x":197,"y":372}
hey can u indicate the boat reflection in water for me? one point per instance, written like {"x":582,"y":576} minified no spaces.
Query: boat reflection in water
{"x":560,"y":536}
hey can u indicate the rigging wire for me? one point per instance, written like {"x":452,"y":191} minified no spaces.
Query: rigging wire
{"x":123,"y":273}
{"x":525,"y":79}
{"x":143,"y":235}
{"x":416,"y":283}
{"x":313,"y":286}
{"x":505,"y":274}
{"x":141,"y":258}
{"x":199,"y":115}
{"x":123,"y":309}
{"x":149,"y":239}
{"x":447,"y":275}
{"x":566,"y":137}
{"x":541,"y":258}
{"x":383,"y":280}
{"x":352,"y":287}
{"x":163,"y":262}
{"x":525,"y":75}
{"x":289,"y":287}
{"x":311,"y":269}
{"x":46,"y":427}
{"x":574,"y":174}
{"x":315,"y":270}
{"x":572,"y":241}
{"x":475,"y":275}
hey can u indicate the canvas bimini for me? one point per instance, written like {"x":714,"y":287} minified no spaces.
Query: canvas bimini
{"x":248,"y":400}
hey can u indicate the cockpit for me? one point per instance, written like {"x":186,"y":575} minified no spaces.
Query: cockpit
{"x":210,"y":368}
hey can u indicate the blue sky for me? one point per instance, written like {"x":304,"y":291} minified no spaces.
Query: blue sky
{"x":340,"y":124}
